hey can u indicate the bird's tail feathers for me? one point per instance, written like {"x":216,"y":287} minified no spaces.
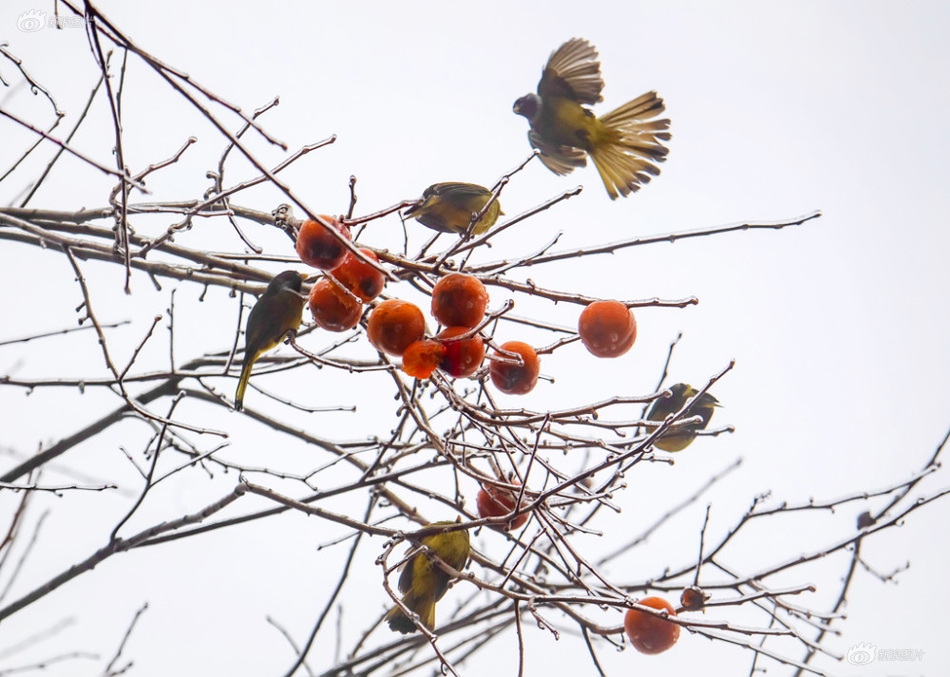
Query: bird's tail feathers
{"x":242,"y":382}
{"x":642,"y":108}
{"x":622,"y":172}
{"x":629,"y":158}
{"x":424,"y":606}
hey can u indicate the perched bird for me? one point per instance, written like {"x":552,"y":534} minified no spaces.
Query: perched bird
{"x":681,"y":437}
{"x":624,"y":144}
{"x":423,"y":581}
{"x":276,"y":312}
{"x":448,"y":208}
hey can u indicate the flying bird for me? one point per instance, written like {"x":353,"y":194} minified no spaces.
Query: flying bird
{"x":625,"y":144}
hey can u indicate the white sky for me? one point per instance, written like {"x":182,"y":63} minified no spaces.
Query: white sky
{"x":839,"y":327}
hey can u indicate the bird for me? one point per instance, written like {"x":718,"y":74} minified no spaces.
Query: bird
{"x":448,"y":208}
{"x":625,"y":144}
{"x":276,"y":312}
{"x":423,"y":582}
{"x":681,"y":437}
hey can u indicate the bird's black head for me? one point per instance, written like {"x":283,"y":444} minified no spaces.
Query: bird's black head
{"x":289,"y":279}
{"x":681,"y":391}
{"x":529,"y":105}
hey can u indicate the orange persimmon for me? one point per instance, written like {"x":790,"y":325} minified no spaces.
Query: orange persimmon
{"x":462,"y":357}
{"x":459,"y":300}
{"x":607,"y":328}
{"x":332,"y":307}
{"x":394,"y":325}
{"x":649,"y":634}
{"x":421,"y":358}
{"x":510,"y":378}
{"x":495,"y":502}
{"x":359,"y":277}
{"x":318,"y":247}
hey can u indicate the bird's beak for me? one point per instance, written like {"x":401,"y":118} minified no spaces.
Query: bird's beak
{"x":411,"y":209}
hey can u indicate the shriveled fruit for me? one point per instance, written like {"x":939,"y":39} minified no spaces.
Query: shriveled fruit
{"x":359,"y":277}
{"x":318,"y":247}
{"x":495,"y":502}
{"x":332,"y":307}
{"x":693,"y":598}
{"x":511,"y":378}
{"x":607,"y":328}
{"x":421,"y":358}
{"x":462,"y":357}
{"x":649,"y":634}
{"x":394,"y":325}
{"x":459,"y":300}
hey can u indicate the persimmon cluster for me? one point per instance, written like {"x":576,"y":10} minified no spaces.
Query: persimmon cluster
{"x":459,"y":304}
{"x":336,"y":300}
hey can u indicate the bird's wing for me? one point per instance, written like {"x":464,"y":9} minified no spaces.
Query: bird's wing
{"x":258,"y":328}
{"x":441,"y":584}
{"x":573,"y":72}
{"x":271,"y":318}
{"x":407,"y":575}
{"x":559,"y":159}
{"x":459,"y":191}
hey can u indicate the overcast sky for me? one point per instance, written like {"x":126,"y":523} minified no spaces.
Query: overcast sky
{"x":839,"y":327}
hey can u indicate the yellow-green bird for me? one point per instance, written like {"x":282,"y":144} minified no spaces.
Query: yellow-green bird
{"x":681,"y":437}
{"x":276,"y":312}
{"x":423,"y":582}
{"x":448,"y":208}
{"x":624,"y":144}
